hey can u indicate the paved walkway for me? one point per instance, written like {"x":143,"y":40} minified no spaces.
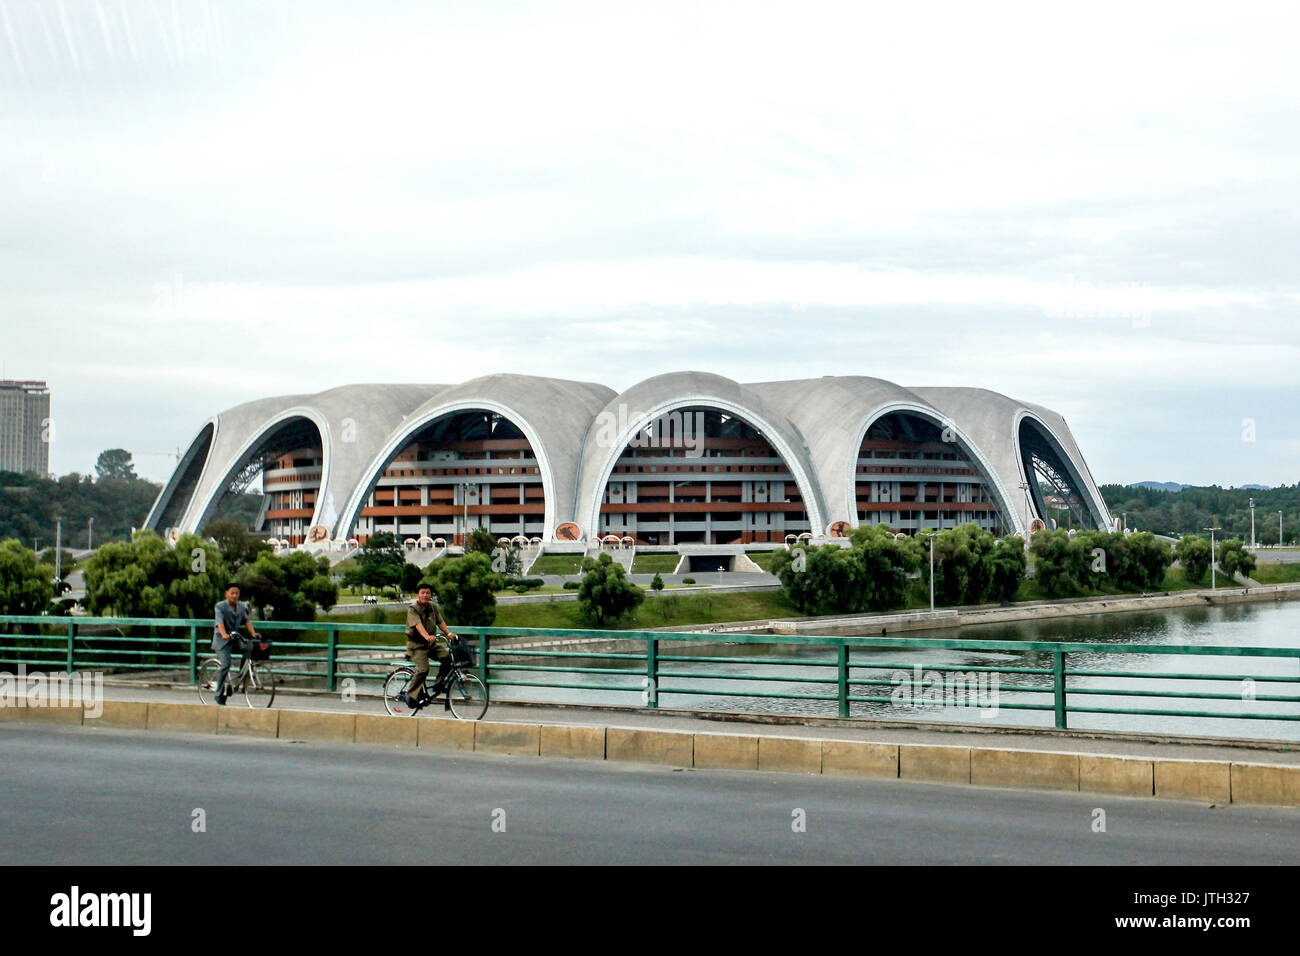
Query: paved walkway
{"x":875,"y":731}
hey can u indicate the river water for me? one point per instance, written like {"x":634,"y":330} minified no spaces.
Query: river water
{"x":905,"y":673}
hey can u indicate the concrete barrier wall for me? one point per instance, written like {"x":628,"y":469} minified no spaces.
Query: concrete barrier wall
{"x":1205,"y":781}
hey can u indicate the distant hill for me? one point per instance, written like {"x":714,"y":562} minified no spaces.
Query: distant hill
{"x":1175,"y":486}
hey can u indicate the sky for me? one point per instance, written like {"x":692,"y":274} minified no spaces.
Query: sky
{"x":1090,"y":209}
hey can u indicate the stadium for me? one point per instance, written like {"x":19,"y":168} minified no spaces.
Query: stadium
{"x":682,"y":459}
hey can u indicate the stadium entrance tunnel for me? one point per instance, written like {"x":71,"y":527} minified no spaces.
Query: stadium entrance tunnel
{"x":461,"y":471}
{"x":1059,"y":495}
{"x":705,"y":563}
{"x":913,"y":473}
{"x":700,"y":475}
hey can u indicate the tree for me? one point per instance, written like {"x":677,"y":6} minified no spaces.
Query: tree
{"x":1008,"y":562}
{"x":658,"y":582}
{"x":288,"y":587}
{"x":1151,"y":560}
{"x":115,"y":463}
{"x":237,"y":546}
{"x":146,"y":578}
{"x":881,"y":565}
{"x":26,"y":583}
{"x":466,"y":589}
{"x":1234,"y":559}
{"x":481,"y":541}
{"x":1060,"y":562}
{"x":411,"y":576}
{"x":1193,"y":553}
{"x":963,"y":564}
{"x":813,"y":578}
{"x":871,"y":574}
{"x":605,"y":594}
{"x":379,"y":563}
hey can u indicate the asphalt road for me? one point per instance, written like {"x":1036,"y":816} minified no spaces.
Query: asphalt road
{"x":70,"y":796}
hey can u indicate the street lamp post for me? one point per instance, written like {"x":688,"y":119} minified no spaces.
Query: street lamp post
{"x":465,"y":487}
{"x":1213,"y":579}
{"x":90,"y":535}
{"x":931,"y":535}
{"x":1279,"y":529}
{"x":58,"y":549}
{"x":1252,"y":523}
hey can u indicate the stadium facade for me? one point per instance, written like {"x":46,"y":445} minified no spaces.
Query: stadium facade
{"x":678,"y":459}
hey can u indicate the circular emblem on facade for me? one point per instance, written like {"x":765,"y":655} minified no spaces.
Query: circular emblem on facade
{"x":318,"y":533}
{"x":1037,"y":525}
{"x":838,"y":529}
{"x":568,"y":532}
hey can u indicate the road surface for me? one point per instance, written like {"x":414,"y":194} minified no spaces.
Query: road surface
{"x":78,"y":796}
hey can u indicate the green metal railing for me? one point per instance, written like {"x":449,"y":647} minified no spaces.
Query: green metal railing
{"x":622,"y":667}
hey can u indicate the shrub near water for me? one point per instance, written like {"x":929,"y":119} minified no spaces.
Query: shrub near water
{"x":871,"y":574}
{"x":1065,"y":566}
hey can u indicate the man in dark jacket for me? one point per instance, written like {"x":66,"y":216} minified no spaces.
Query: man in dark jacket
{"x":422,"y":619}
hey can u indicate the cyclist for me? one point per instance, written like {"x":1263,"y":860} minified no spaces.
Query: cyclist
{"x":230,"y":617}
{"x":422,"y":618}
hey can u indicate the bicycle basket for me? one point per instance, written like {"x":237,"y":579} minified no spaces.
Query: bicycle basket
{"x":258,"y":649}
{"x":462,"y":653}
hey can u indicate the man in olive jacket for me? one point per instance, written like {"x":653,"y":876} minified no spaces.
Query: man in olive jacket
{"x":422,"y":619}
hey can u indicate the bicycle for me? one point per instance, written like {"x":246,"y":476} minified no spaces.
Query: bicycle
{"x":255,"y":679}
{"x":464,"y":694}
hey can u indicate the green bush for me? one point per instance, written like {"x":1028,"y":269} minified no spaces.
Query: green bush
{"x":466,"y":589}
{"x":1193,"y":553}
{"x":605,"y":593}
{"x":1234,"y":558}
{"x":571,"y":585}
{"x":871,"y":574}
{"x":658,"y":582}
{"x":688,"y":580}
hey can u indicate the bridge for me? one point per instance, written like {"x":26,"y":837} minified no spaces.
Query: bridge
{"x":762,"y":725}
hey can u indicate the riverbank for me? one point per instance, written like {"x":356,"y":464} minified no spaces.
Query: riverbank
{"x":949,"y":618}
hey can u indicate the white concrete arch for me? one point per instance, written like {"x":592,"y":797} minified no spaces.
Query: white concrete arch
{"x":590,"y":509}
{"x":199,"y":512}
{"x":172,"y":487}
{"x":1082,"y":477}
{"x":967,"y":444}
{"x":412,"y":426}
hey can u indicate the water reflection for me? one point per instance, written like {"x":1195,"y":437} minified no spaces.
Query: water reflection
{"x":808,"y":673}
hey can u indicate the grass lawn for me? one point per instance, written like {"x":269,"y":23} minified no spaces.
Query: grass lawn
{"x":762,"y":558}
{"x":658,"y":610}
{"x":1276,"y":573}
{"x":656,"y":562}
{"x":556,"y":564}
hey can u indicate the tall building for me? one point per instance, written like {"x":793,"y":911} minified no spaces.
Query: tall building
{"x":24,"y":427}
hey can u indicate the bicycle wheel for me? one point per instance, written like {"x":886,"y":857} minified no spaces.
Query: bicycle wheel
{"x":259,"y":685}
{"x":394,"y":687}
{"x":468,"y":696}
{"x":207,"y":682}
